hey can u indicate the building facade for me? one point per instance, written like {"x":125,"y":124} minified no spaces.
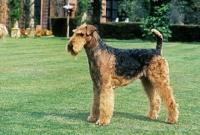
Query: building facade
{"x":42,"y":11}
{"x":45,"y":9}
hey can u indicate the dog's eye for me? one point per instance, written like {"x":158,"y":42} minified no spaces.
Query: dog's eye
{"x":80,"y":34}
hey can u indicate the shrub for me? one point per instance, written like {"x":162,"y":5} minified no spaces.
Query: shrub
{"x":157,"y":18}
{"x":15,"y":12}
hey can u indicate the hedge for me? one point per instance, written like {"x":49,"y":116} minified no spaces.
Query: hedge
{"x":182,"y":33}
{"x":185,"y":33}
{"x":121,"y":30}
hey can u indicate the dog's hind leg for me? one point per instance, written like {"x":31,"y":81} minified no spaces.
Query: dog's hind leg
{"x":166,"y":94}
{"x":158,"y":74}
{"x":154,"y":98}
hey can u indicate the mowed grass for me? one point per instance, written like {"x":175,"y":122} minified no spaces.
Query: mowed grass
{"x":44,"y":90}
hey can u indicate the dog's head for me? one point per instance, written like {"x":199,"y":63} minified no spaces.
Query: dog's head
{"x":82,"y":36}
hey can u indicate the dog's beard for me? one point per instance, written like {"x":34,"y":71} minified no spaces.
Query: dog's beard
{"x":70,"y":49}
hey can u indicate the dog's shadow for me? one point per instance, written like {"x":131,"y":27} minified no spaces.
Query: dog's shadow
{"x":83,"y":116}
{"x":134,"y":116}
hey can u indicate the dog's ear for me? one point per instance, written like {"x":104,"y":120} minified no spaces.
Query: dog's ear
{"x":90,"y":29}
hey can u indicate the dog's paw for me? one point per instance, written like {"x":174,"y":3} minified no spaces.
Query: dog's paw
{"x":152,"y":116}
{"x":171,"y":120}
{"x":91,"y":119}
{"x":103,"y":122}
{"x":173,"y":115}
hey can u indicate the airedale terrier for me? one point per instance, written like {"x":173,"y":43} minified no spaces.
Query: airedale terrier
{"x":111,"y":67}
{"x":3,"y":32}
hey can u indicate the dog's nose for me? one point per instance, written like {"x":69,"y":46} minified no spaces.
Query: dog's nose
{"x":70,"y":46}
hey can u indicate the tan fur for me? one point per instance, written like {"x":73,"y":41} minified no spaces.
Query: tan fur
{"x":154,"y":78}
{"x":3,"y":32}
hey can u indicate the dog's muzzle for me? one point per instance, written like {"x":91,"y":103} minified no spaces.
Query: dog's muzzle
{"x":70,"y":49}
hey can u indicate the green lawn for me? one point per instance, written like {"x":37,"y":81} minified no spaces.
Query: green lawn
{"x":44,"y":90}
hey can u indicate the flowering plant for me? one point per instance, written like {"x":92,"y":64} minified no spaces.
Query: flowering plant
{"x":43,"y":33}
{"x":23,"y":33}
{"x":39,"y":33}
{"x":47,"y":32}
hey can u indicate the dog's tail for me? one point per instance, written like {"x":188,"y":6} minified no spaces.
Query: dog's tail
{"x":159,"y":38}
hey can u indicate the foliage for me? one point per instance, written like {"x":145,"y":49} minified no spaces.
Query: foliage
{"x":3,"y":12}
{"x":130,"y":9}
{"x":157,"y":18}
{"x":193,"y":13}
{"x":82,"y":8}
{"x":15,"y":13}
{"x":45,"y":91}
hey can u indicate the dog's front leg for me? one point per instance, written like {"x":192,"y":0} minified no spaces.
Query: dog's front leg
{"x":106,"y":105}
{"x":94,"y":113}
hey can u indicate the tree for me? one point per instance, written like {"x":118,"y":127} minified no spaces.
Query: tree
{"x":157,"y":17}
{"x":3,"y":11}
{"x":192,"y":15}
{"x":189,"y":11}
{"x":130,"y":9}
{"x":15,"y":11}
{"x":82,"y":8}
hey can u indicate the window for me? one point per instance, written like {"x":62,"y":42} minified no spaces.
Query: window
{"x":111,"y":10}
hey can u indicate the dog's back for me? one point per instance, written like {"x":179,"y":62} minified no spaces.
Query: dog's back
{"x":3,"y":31}
{"x":130,"y":62}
